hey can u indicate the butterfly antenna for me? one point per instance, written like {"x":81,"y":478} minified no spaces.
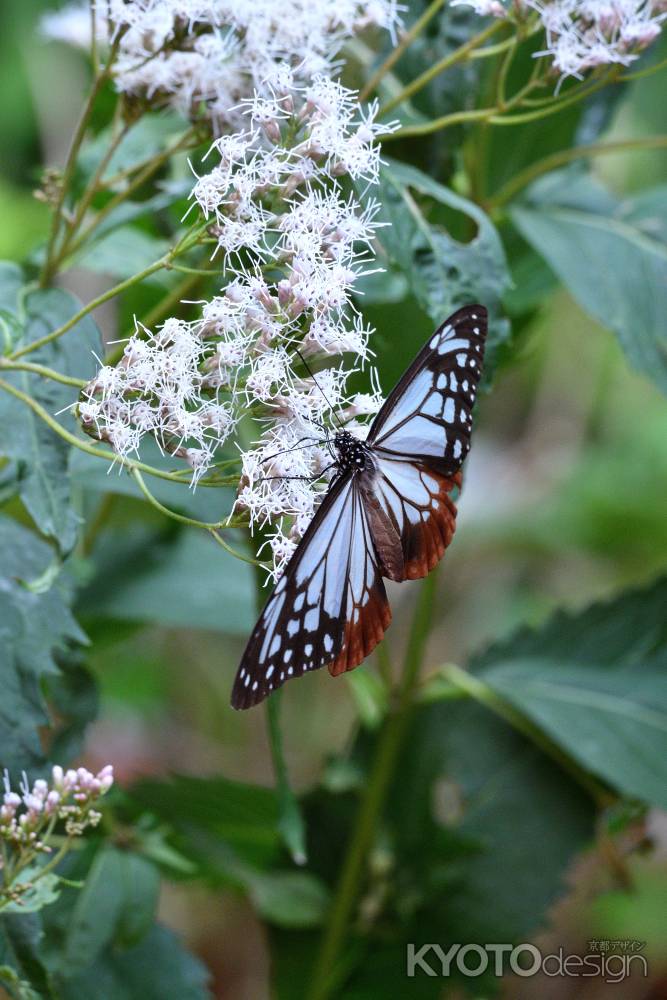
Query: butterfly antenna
{"x":312,"y":375}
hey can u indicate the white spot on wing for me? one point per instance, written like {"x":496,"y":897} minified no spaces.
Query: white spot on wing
{"x":450,"y":410}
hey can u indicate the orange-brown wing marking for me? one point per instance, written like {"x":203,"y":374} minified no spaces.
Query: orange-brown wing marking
{"x":417,"y":500}
{"x":368,"y":612}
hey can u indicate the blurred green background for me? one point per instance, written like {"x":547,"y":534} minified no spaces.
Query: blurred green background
{"x":564,"y":504}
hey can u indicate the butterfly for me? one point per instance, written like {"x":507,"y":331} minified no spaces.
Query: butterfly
{"x":387,"y":513}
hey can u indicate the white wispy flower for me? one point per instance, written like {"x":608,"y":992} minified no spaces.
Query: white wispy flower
{"x":293,"y":247}
{"x":583,"y":34}
{"x":204,"y":56}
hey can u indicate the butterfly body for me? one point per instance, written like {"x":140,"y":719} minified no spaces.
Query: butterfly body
{"x":388,"y":512}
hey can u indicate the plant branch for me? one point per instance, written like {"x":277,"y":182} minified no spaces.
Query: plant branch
{"x":27,"y":366}
{"x":184,"y":244}
{"x":388,"y":747}
{"x":79,"y":133}
{"x":564,"y":156}
{"x":151,"y":167}
{"x":399,"y":49}
{"x":439,"y":67}
{"x":110,"y":456}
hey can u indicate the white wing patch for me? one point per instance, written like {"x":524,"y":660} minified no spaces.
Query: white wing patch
{"x":304,"y":621}
{"x":429,"y":414}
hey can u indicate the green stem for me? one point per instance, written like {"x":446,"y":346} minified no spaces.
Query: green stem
{"x":639,"y":74}
{"x":486,"y":696}
{"x":438,"y":124}
{"x":92,"y":188}
{"x":439,"y":67}
{"x":27,"y":366}
{"x":77,"y":139}
{"x":212,"y":527}
{"x":398,"y":51}
{"x":559,"y":159}
{"x":388,"y":748}
{"x":164,"y":262}
{"x":151,"y":167}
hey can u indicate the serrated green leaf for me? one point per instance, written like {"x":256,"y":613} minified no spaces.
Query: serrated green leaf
{"x":597,"y":684}
{"x":442,"y":272}
{"x":42,"y":456}
{"x":610,"y":261}
{"x":33,"y":628}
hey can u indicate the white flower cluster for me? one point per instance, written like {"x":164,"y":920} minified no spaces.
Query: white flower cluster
{"x":293,"y":247}
{"x":70,"y":797}
{"x":583,"y":34}
{"x":207,"y":55}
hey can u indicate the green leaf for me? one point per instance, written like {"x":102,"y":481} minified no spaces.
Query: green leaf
{"x":124,"y":252}
{"x":158,"y":968}
{"x":141,"y":887}
{"x":184,"y":580}
{"x":44,"y":891}
{"x":443,"y":272}
{"x":151,"y":134}
{"x":42,"y":456}
{"x":117,"y":905}
{"x":96,"y":913}
{"x":596,"y":682}
{"x":289,"y":899}
{"x":11,"y":282}
{"x":243,"y":817}
{"x":21,"y":950}
{"x":33,"y":628}
{"x":613,"y":265}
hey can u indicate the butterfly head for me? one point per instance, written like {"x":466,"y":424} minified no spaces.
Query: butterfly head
{"x":352,"y":453}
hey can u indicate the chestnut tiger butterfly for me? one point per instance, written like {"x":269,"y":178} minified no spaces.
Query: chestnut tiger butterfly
{"x":387,"y":513}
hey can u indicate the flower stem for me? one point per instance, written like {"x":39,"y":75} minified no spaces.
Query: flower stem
{"x":398,"y":51}
{"x":439,"y":67}
{"x":564,"y":156}
{"x":148,"y":170}
{"x":388,"y":747}
{"x":27,"y":366}
{"x":163,"y":262}
{"x":100,"y":78}
{"x":212,"y":527}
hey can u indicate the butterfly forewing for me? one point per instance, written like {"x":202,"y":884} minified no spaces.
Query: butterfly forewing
{"x":394,"y":517}
{"x":428,"y":415}
{"x":329,"y":608}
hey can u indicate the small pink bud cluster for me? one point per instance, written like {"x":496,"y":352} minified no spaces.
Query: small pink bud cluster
{"x":27,"y":819}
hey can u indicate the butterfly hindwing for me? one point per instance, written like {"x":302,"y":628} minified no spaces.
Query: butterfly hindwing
{"x":329,"y":607}
{"x":428,"y":415}
{"x":415,"y":499}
